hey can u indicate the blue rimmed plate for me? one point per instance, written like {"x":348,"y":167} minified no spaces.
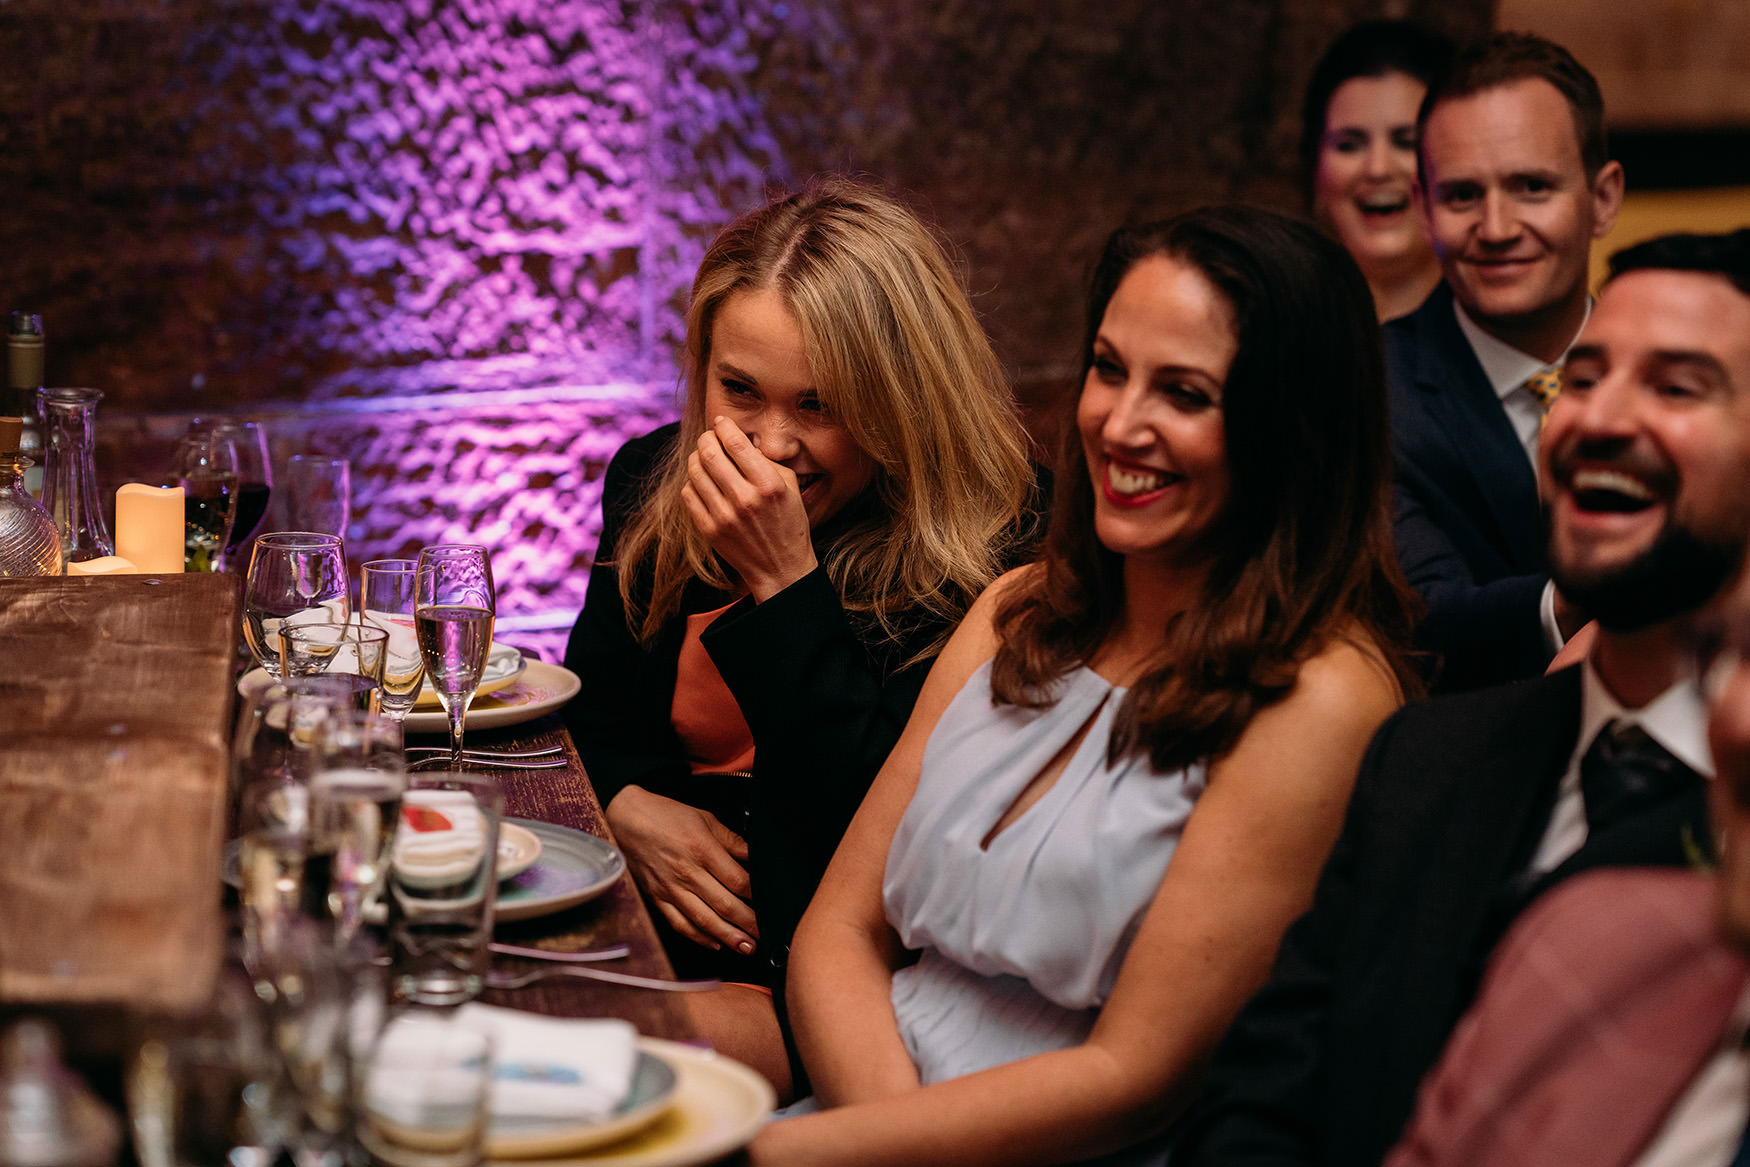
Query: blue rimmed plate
{"x":574,"y":867}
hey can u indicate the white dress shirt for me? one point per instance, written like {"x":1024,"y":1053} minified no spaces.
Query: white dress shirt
{"x":1676,"y":719}
{"x":1508,"y":370}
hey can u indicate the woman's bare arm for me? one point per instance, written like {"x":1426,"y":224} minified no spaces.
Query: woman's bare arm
{"x":1245,"y":867}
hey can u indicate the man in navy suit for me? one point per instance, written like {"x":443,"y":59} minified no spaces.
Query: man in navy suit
{"x":1515,"y":184}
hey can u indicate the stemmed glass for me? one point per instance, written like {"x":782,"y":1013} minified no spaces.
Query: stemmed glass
{"x":254,"y":483}
{"x":357,"y":784}
{"x":386,"y":601}
{"x":319,"y":493}
{"x":453,"y":615}
{"x":295,"y":577}
{"x":204,"y":464}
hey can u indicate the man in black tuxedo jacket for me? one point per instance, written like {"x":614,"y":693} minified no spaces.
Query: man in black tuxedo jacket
{"x":1515,"y":184}
{"x":1469,"y":805}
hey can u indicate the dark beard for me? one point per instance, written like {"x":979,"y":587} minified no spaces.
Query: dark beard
{"x":1678,"y":573}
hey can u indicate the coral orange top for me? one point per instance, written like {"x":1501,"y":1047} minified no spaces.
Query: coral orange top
{"x":705,"y":715}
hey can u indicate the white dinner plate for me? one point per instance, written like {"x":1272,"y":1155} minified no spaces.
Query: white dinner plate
{"x":718,"y":1105}
{"x":504,"y":664}
{"x":540,"y":688}
{"x":522,"y":1137}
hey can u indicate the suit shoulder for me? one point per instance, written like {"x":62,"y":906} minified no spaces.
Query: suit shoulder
{"x":1491,"y":713}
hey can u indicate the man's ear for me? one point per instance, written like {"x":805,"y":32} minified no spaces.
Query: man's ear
{"x":1607,"y":187}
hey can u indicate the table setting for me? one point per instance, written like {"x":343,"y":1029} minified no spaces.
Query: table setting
{"x":423,"y":953}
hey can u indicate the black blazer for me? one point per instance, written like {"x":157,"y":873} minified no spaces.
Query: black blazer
{"x":1466,"y":523}
{"x":1453,"y":797}
{"x":825,"y":699}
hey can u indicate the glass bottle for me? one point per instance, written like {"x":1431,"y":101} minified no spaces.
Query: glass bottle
{"x":24,"y":376}
{"x":48,"y":1116}
{"x":70,"y":486}
{"x":29,"y":543}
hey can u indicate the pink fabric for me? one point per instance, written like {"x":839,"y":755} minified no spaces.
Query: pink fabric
{"x":1600,"y":1007}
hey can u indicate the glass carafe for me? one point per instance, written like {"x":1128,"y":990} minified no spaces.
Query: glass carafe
{"x":70,"y":478}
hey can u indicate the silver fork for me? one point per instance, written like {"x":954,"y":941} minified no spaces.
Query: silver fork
{"x":511,"y":755}
{"x":502,"y":979}
{"x":611,"y":952}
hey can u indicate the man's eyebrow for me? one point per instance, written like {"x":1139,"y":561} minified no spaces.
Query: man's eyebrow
{"x":1585,"y":352}
{"x":1705,"y":361}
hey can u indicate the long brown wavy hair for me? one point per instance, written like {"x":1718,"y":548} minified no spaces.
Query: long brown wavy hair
{"x":1304,"y":551}
{"x":899,"y":359}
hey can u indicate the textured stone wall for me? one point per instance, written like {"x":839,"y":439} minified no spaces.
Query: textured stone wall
{"x":451,"y":239}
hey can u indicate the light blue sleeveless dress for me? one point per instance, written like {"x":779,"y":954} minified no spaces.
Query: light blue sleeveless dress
{"x":1023,"y":940}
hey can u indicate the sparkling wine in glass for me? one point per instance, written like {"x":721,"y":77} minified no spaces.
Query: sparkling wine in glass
{"x":295,"y":577}
{"x":453,"y":617}
{"x":204,"y":464}
{"x":386,"y":601}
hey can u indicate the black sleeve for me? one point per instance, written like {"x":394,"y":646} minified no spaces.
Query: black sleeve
{"x":826,"y":705}
{"x":620,"y":719}
{"x":1264,"y":1094}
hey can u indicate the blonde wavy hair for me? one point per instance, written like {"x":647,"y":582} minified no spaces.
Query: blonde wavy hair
{"x":900,"y":361}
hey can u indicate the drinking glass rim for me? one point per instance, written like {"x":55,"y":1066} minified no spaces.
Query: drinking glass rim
{"x":349,"y":630}
{"x":389,"y":566}
{"x":437,"y":550}
{"x":299,"y":540}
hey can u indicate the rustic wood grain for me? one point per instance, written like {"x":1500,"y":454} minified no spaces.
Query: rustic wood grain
{"x":115,"y":711}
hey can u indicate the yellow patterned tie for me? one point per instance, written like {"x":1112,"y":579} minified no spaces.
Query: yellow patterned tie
{"x":1545,"y":386}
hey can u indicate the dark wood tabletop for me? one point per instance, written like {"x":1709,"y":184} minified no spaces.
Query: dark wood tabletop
{"x":618,"y":916}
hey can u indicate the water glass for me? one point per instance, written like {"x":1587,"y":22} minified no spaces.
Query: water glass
{"x":204,"y":464}
{"x":318,"y":493}
{"x":278,"y":726}
{"x":443,"y":883}
{"x":295,"y":577}
{"x":453,"y":615}
{"x":386,"y":601}
{"x":357,"y":784}
{"x":426,"y":1091}
{"x":354,"y":653}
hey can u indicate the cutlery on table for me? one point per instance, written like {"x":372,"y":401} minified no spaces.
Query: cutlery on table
{"x":612,"y":952}
{"x":501,"y":979}
{"x":510,"y":755}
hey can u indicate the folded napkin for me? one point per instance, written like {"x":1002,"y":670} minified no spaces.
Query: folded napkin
{"x":442,"y":834}
{"x":548,"y":1067}
{"x":427,"y":1073}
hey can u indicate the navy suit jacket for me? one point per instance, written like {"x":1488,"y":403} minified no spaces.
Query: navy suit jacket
{"x":1453,"y":796}
{"x":1466,"y":526}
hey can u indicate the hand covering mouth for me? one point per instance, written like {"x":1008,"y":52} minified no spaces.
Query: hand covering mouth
{"x":804,"y":481}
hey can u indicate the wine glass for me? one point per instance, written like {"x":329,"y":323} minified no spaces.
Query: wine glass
{"x":254,"y":482}
{"x":204,"y":464}
{"x":386,"y":601}
{"x":319,"y":493}
{"x":453,"y":614}
{"x":295,"y":577}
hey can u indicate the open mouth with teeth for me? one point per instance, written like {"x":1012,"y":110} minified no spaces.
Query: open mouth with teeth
{"x":1610,"y":492}
{"x":1380,"y":206}
{"x":1136,"y":485}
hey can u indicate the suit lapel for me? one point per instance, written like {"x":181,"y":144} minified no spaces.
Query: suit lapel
{"x":1461,"y":399}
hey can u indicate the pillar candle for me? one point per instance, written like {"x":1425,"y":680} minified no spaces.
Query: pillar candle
{"x":106,"y":565}
{"x":149,"y":527}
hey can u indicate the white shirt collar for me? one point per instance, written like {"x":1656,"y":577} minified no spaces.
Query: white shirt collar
{"x":1676,"y":719}
{"x":1505,"y":366}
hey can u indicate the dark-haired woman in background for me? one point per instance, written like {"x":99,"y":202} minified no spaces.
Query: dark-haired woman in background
{"x":778,"y":571}
{"x":1127,"y":767}
{"x":1358,"y":153}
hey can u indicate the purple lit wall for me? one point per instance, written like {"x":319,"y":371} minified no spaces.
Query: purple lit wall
{"x":451,"y":239}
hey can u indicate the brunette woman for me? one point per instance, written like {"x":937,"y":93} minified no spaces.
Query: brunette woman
{"x":1127,"y":767}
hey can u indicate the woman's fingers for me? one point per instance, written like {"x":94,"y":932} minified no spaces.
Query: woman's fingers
{"x":677,"y":854}
{"x":750,"y":511}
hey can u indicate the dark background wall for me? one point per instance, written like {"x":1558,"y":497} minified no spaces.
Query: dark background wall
{"x":451,"y":239}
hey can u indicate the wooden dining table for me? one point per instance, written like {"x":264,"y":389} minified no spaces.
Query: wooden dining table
{"x":617,"y":916}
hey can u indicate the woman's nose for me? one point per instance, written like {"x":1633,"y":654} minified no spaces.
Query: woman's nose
{"x":774,"y":438}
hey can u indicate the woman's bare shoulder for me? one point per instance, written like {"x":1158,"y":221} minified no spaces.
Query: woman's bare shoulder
{"x":1349,"y":677}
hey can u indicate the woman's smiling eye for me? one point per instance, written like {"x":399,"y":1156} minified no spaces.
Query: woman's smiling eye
{"x":736,"y":388}
{"x":1186,"y":396}
{"x":1108,"y":369}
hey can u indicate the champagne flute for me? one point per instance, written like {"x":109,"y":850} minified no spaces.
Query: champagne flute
{"x":453,"y":617}
{"x":295,"y":577}
{"x":204,"y":464}
{"x":386,"y":601}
